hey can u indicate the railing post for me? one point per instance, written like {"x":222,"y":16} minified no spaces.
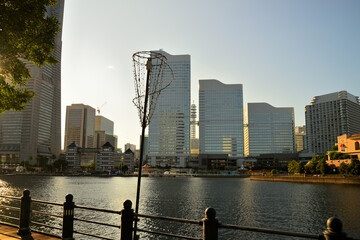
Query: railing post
{"x":25,"y":210}
{"x":68,"y":218}
{"x":334,"y":230}
{"x":210,"y":225}
{"x":127,"y":219}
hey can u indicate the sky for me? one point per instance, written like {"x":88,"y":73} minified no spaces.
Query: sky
{"x":284,"y":52}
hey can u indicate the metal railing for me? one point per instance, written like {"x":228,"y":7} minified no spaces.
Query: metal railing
{"x":210,"y":224}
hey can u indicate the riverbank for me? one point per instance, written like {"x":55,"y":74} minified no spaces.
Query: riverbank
{"x":309,"y":179}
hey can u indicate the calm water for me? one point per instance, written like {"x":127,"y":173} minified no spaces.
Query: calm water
{"x":287,"y":206}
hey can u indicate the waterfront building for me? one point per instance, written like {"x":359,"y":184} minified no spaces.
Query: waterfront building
{"x":130,"y":146}
{"x":169,"y":129}
{"x":349,"y":144}
{"x":104,"y":158}
{"x":146,"y":148}
{"x":329,"y":116}
{"x":300,"y":138}
{"x":36,"y":131}
{"x":269,"y":129}
{"x":128,"y":160}
{"x":72,"y":156}
{"x":221,"y":119}
{"x":80,"y":125}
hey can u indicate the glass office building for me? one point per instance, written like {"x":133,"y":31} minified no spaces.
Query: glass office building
{"x":80,"y":126}
{"x":36,"y":131}
{"x":169,"y":129}
{"x":268,"y":129}
{"x":221,"y":118}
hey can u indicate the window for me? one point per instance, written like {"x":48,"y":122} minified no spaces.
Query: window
{"x":357,"y":147}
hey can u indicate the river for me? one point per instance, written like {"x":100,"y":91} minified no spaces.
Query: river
{"x":240,"y":201}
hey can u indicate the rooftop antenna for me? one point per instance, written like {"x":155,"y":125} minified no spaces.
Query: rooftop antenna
{"x":152,"y":75}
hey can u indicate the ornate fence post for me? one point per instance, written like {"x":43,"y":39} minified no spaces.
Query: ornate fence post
{"x":127,"y":219}
{"x":334,"y":230}
{"x":25,"y":210}
{"x":210,"y":225}
{"x":68,"y":218}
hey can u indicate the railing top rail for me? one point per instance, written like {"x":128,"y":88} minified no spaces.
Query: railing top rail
{"x":10,"y":197}
{"x":47,"y":202}
{"x":271,"y":231}
{"x":169,"y":219}
{"x":168,"y":234}
{"x":98,"y":209}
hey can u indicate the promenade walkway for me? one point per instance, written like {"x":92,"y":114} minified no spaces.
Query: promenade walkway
{"x":10,"y":233}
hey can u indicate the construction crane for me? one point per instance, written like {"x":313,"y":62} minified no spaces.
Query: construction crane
{"x":98,"y":109}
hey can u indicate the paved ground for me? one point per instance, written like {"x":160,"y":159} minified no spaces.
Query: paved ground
{"x":10,"y":233}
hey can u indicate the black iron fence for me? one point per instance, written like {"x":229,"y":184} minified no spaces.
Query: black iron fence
{"x":210,"y":224}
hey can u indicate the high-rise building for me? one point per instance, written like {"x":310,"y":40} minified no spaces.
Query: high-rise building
{"x":329,"y":116}
{"x":80,"y":126}
{"x":104,"y":132}
{"x":221,"y":128}
{"x":169,"y":129}
{"x":268,"y":129}
{"x":36,"y":131}
{"x":300,"y":138}
{"x":194,"y":141}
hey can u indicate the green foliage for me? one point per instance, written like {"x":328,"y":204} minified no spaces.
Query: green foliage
{"x":274,"y":172}
{"x":292,"y":166}
{"x":26,"y":33}
{"x":124,"y":168}
{"x":344,"y":168}
{"x":92,"y":166}
{"x":300,"y":168}
{"x":334,"y":148}
{"x":354,"y":167}
{"x":60,"y":164}
{"x":322,"y":167}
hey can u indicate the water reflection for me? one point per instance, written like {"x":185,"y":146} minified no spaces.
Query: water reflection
{"x":288,"y":206}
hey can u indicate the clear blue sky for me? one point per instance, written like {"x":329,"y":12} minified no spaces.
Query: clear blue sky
{"x":284,"y":52}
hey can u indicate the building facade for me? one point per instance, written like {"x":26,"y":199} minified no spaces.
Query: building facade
{"x":104,"y":132}
{"x":36,"y":131}
{"x":269,"y":129}
{"x":169,"y":129}
{"x":329,"y":116}
{"x":80,"y":126}
{"x":300,"y":138}
{"x":221,"y":118}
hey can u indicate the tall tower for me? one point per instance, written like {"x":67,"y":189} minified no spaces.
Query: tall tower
{"x":329,"y":116}
{"x":104,"y":132}
{"x":221,"y":118}
{"x":169,"y":129}
{"x":80,"y":126}
{"x":194,"y":141}
{"x":36,"y":131}
{"x":269,"y":129}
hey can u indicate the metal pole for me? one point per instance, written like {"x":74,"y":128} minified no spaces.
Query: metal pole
{"x":148,"y":68}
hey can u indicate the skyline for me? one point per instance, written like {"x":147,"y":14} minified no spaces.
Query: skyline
{"x":283,"y":53}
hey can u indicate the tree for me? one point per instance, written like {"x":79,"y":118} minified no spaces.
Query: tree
{"x":322,"y":167}
{"x":344,"y":168}
{"x":25,"y":33}
{"x":354,"y":167}
{"x":124,"y":168}
{"x":292,"y":166}
{"x":300,"y":168}
{"x":60,"y":164}
{"x":274,"y":172}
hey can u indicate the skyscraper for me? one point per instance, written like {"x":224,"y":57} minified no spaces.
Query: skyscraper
{"x":221,"y":118}
{"x":169,"y":129}
{"x":104,"y":132}
{"x":268,"y":129}
{"x":329,"y":116}
{"x":300,"y":138}
{"x":80,"y":126}
{"x":36,"y":131}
